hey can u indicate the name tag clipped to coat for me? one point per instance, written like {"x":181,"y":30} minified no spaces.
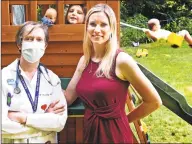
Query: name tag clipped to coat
{"x":10,"y":81}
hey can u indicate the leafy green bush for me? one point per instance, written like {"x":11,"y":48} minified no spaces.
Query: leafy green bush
{"x":181,"y":23}
{"x":39,"y":12}
{"x":129,"y":35}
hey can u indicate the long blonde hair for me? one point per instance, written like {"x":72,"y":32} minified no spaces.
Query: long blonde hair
{"x":111,"y":46}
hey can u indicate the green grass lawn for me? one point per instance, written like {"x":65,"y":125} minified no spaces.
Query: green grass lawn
{"x":174,"y":66}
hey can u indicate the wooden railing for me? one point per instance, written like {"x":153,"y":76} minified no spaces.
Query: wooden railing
{"x":60,"y":31}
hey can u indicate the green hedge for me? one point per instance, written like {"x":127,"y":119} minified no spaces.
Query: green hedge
{"x":182,"y":23}
{"x":129,"y":35}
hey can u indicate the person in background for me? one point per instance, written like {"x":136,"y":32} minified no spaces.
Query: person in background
{"x":101,"y":81}
{"x":34,"y":108}
{"x":155,"y":32}
{"x":50,"y":17}
{"x":18,"y":14}
{"x":75,"y":14}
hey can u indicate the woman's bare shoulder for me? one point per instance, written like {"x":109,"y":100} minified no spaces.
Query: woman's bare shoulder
{"x":124,"y":58}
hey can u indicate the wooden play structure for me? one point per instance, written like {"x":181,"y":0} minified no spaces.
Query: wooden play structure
{"x":62,"y":54}
{"x":65,"y":46}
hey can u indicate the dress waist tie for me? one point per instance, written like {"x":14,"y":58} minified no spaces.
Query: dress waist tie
{"x":107,"y":112}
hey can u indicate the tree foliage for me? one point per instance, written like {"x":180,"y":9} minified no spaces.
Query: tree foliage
{"x":164,"y":10}
{"x":174,"y":15}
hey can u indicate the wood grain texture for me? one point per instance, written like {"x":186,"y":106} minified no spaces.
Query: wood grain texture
{"x":60,"y":47}
{"x":60,"y":12}
{"x":71,"y":130}
{"x":60,"y":32}
{"x":5,"y":18}
{"x":21,"y":2}
{"x":79,"y":130}
{"x":33,"y":10}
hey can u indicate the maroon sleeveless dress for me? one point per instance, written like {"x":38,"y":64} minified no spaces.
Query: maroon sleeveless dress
{"x":104,"y":99}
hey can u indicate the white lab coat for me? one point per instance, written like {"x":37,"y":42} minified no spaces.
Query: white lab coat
{"x":40,"y":127}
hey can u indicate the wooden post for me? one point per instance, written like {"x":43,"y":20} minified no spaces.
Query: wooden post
{"x":116,"y":8}
{"x":79,"y":130}
{"x":60,"y":12}
{"x":5,"y":13}
{"x":33,"y":10}
{"x":138,"y":126}
{"x":44,"y":8}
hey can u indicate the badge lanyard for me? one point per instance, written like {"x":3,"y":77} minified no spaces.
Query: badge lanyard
{"x":17,"y":90}
{"x":35,"y":102}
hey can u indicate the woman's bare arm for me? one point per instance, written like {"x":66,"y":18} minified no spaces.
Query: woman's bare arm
{"x":127,"y":67}
{"x":70,"y":92}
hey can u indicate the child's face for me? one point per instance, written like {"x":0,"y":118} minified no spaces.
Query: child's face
{"x":75,"y":15}
{"x":153,"y":27}
{"x":51,"y":15}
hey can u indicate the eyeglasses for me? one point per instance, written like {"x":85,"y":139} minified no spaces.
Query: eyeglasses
{"x":31,"y":38}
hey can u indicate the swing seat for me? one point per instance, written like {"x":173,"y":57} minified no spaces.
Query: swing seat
{"x":175,"y":40}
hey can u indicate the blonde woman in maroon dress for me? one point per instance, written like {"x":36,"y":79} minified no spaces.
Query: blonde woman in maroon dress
{"x":102,"y":78}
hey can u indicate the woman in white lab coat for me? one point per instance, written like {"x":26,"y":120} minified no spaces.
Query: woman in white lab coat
{"x":34,"y":108}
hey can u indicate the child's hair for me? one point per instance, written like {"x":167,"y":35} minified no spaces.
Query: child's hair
{"x":153,"y":22}
{"x":83,"y":8}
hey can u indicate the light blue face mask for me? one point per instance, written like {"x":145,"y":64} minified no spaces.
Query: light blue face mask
{"x":32,"y":51}
{"x":47,"y":21}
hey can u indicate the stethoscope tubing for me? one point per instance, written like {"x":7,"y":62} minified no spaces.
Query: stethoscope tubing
{"x":18,"y":72}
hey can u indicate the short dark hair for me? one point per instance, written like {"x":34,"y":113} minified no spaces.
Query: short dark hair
{"x":19,"y":35}
{"x":83,"y":8}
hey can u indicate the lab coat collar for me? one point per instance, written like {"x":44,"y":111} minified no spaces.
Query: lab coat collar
{"x":13,"y":65}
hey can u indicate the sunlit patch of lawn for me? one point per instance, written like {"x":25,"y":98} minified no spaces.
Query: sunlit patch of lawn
{"x":174,"y":66}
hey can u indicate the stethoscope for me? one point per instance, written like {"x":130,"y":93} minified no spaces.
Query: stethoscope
{"x":17,"y":90}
